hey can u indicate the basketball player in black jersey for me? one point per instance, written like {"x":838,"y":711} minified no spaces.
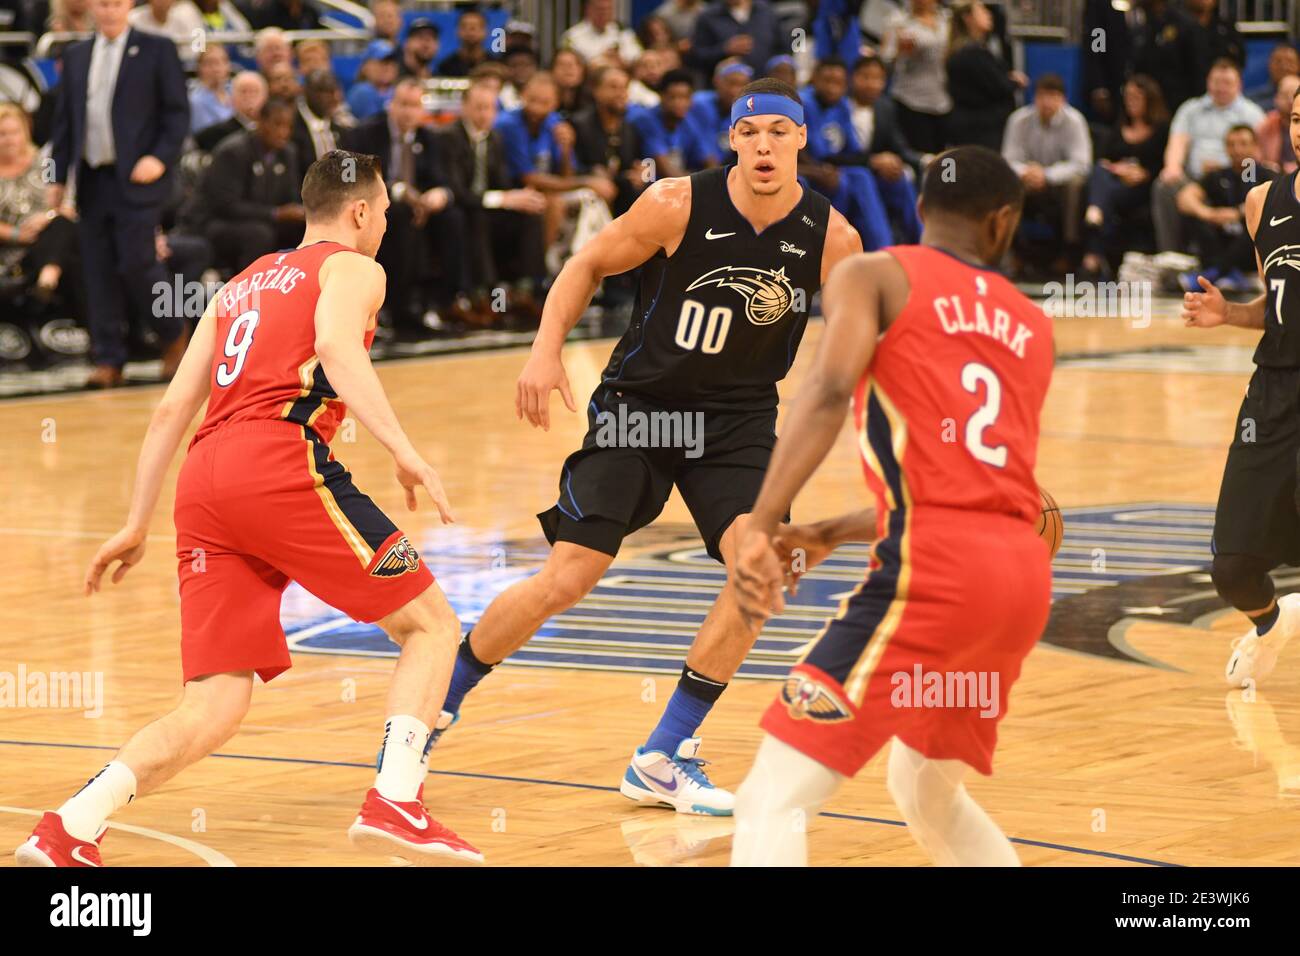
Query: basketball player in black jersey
{"x":732,"y":258}
{"x":1257,"y":521}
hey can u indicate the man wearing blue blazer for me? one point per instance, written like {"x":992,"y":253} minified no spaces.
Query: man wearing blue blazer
{"x":120,"y":118}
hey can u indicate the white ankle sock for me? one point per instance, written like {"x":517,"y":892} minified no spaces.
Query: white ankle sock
{"x":401,"y":764}
{"x":104,"y":794}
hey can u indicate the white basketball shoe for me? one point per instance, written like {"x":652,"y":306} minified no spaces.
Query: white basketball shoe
{"x":1254,"y":657}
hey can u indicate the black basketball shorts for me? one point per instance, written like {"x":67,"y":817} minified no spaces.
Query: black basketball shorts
{"x":1258,"y":512}
{"x":634,"y":452}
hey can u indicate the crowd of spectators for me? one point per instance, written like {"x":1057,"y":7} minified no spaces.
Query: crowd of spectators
{"x":198,"y":172}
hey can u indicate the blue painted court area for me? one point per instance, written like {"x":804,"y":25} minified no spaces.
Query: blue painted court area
{"x":647,"y":609}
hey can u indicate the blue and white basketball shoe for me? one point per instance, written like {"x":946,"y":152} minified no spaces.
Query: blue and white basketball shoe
{"x":655,"y":779}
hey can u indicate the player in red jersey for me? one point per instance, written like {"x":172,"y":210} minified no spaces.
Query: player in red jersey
{"x":947,"y":366}
{"x":261,"y":500}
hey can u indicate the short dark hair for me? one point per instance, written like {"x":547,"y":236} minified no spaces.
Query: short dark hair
{"x":970,"y":182}
{"x":871,"y":59}
{"x":1241,"y":128}
{"x":827,"y":62}
{"x":274,"y":104}
{"x":769,"y":84}
{"x":673,"y":77}
{"x":336,"y":179}
{"x":320,"y":80}
{"x":1050,"y":83}
{"x":1226,"y":63}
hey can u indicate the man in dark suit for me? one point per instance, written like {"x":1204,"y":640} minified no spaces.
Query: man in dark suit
{"x":317,"y":128}
{"x":121,"y":117}
{"x":248,"y":94}
{"x":608,"y":145}
{"x":424,"y":225}
{"x":503,"y":226}
{"x":248,"y":200}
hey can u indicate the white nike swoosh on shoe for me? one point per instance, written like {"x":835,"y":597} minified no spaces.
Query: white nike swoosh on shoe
{"x":418,"y":824}
{"x":76,"y":855}
{"x":710,"y":234}
{"x":1277,"y":222}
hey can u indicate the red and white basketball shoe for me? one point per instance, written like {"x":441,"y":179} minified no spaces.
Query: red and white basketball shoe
{"x":406,"y":829}
{"x":51,"y":845}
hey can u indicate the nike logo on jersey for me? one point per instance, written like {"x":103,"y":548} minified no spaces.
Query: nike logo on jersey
{"x":710,"y":234}
{"x":419,"y":824}
{"x":1277,"y":222}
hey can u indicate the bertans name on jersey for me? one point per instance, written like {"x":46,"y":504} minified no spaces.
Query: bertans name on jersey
{"x":957,"y":317}
{"x":243,"y":295}
{"x":659,"y":429}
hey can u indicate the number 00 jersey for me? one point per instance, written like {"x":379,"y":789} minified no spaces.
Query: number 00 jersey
{"x":716,"y":325}
{"x":1277,"y":240}
{"x":948,"y":411}
{"x":264,"y":365}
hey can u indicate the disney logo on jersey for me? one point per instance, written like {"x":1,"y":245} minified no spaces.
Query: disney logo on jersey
{"x":787,"y":246}
{"x":1284,"y":256}
{"x":805,"y":697}
{"x":768,"y":294}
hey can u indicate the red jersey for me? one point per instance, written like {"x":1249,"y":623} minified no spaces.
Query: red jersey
{"x":264,"y":366}
{"x":947,"y":412}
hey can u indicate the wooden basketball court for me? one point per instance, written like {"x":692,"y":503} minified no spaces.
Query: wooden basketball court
{"x":1123,"y":746}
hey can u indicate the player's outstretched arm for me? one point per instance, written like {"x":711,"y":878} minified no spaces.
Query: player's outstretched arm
{"x":1208,"y":308}
{"x":851,"y":300}
{"x":657,"y":220}
{"x":185,"y":394}
{"x":801,"y":547}
{"x":351,"y":292}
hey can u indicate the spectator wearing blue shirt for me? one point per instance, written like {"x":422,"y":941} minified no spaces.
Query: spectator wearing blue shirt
{"x":378,"y":74}
{"x":852,"y":189}
{"x":710,"y":111}
{"x":677,"y":145}
{"x":539,"y":143}
{"x":210,"y":101}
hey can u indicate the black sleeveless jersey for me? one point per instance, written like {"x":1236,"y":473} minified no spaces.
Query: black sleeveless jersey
{"x":1277,"y":240}
{"x":716,"y":324}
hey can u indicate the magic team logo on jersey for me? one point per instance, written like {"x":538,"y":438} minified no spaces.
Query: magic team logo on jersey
{"x":805,"y":697}
{"x":400,"y":558}
{"x":768,"y":294}
{"x":1284,"y":256}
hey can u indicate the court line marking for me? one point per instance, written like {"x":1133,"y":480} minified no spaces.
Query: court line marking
{"x":205,"y":853}
{"x":1084,"y":851}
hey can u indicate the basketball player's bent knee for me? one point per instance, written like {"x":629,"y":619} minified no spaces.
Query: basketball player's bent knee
{"x":427,"y":613}
{"x":569,"y":576}
{"x":1242,"y":580}
{"x":213,"y":707}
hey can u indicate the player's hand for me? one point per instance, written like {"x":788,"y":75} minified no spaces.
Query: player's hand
{"x":127,"y":547}
{"x":799,"y":548}
{"x":147,"y":169}
{"x":758,"y":578}
{"x":1204,"y":310}
{"x":414,"y":472}
{"x":541,"y":375}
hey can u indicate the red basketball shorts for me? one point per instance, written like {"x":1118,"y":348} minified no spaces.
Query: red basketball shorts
{"x":928,"y":646}
{"x":259,"y":504}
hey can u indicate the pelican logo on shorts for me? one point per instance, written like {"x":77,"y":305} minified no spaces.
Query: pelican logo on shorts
{"x":400,"y":558}
{"x":805,"y":697}
{"x":768,"y":295}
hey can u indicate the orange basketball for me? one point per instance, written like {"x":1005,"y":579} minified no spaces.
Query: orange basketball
{"x":1050,"y":526}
